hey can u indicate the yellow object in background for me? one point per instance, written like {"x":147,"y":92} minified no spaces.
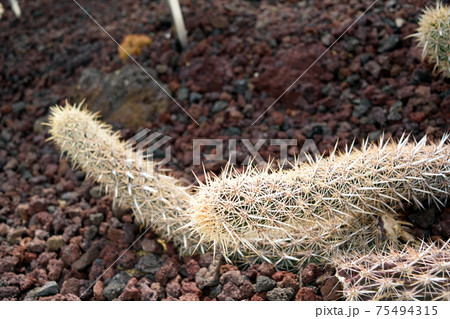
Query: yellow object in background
{"x":133,"y":44}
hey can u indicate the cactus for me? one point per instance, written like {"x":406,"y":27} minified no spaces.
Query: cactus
{"x":414,"y":273}
{"x":318,"y":209}
{"x":157,"y":199}
{"x":433,"y":37}
{"x":322,"y":205}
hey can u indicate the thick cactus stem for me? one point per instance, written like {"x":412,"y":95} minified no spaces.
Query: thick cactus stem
{"x":325,"y":204}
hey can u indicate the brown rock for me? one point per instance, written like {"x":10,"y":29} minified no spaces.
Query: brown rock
{"x":229,"y":290}
{"x":26,"y":282}
{"x":331,"y":289}
{"x":70,"y":253}
{"x":266,"y":269}
{"x":189,"y":297}
{"x":259,"y":296}
{"x":192,"y":267}
{"x":233,"y":276}
{"x":189,"y":287}
{"x":55,"y":267}
{"x":9,"y":292}
{"x":310,"y":273}
{"x":131,"y":292}
{"x":168,"y":271}
{"x":417,"y":117}
{"x":71,"y":286}
{"x":86,"y":259}
{"x":127,"y":260}
{"x":306,"y":294}
{"x":98,"y":291}
{"x":115,"y":235}
{"x":173,"y":288}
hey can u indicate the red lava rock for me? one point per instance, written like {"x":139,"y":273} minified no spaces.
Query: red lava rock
{"x":331,"y":289}
{"x":229,"y":290}
{"x":233,"y":276}
{"x":37,"y":205}
{"x":250,"y":272}
{"x":8,"y":263}
{"x":70,"y":253}
{"x":277,"y":118}
{"x":192,"y":268}
{"x":109,"y":254}
{"x":289,"y":280}
{"x":26,"y":282}
{"x":127,"y":260}
{"x":10,"y":279}
{"x":103,"y":228}
{"x":417,"y":117}
{"x":71,"y":286}
{"x":173,"y":288}
{"x":189,"y":297}
{"x":98,"y":291}
{"x":60,"y":297}
{"x":259,"y":296}
{"x":131,"y":292}
{"x":247,"y":290}
{"x":9,"y":292}
{"x":205,"y":260}
{"x":40,"y":275}
{"x":227,"y":267}
{"x":189,"y":287}
{"x":266,"y":269}
{"x":115,"y":235}
{"x":55,"y":267}
{"x":405,"y":92}
{"x":310,"y":273}
{"x":51,"y":170}
{"x":306,"y":294}
{"x":169,"y":270}
{"x":147,"y":293}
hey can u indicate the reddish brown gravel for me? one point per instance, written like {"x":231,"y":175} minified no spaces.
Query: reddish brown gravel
{"x":60,"y":237}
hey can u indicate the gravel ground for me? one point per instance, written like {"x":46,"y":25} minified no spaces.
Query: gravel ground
{"x":60,"y":233}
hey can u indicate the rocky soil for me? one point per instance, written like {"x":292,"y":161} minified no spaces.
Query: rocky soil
{"x":61,"y":237}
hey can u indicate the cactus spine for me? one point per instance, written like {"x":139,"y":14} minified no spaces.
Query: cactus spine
{"x":413,"y":273}
{"x":433,"y":37}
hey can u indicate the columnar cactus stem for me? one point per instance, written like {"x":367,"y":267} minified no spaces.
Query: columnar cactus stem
{"x":157,"y":199}
{"x":323,"y":204}
{"x":433,"y":37}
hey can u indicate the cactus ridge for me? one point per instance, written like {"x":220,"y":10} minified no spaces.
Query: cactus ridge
{"x":413,"y":273}
{"x":433,"y":37}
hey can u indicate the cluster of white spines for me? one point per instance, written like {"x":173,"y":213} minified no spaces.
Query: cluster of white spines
{"x":433,"y":36}
{"x":414,"y":273}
